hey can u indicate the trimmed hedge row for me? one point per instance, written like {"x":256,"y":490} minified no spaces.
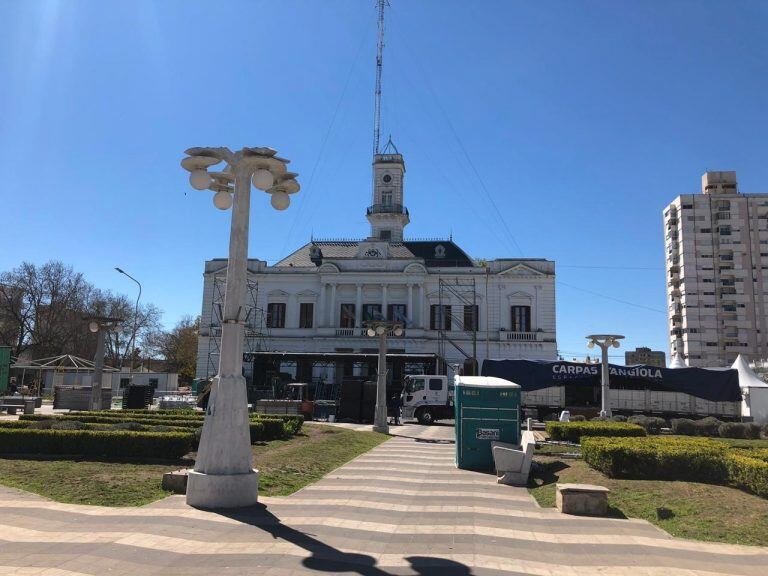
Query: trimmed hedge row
{"x":714,"y":428}
{"x":161,"y":445}
{"x":110,"y":420}
{"x":658,"y":458}
{"x":295,"y":420}
{"x":750,"y":474}
{"x":575,"y":431}
{"x":692,"y":459}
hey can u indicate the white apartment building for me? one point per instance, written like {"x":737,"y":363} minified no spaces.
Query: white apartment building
{"x":717,"y":273}
{"x":315,"y":301}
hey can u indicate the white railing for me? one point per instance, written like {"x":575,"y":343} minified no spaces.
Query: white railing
{"x":518,"y":336}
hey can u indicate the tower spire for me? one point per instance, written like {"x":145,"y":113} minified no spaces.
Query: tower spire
{"x":380,"y":5}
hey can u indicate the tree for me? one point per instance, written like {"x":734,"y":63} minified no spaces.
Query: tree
{"x":179,"y":348}
{"x":119,"y":350}
{"x":42,"y":307}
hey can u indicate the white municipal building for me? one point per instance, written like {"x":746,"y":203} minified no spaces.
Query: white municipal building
{"x":307,"y":312}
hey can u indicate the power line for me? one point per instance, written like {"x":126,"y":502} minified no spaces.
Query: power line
{"x":308,"y":187}
{"x":606,"y":296}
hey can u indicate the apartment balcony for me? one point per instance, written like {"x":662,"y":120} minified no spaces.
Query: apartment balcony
{"x":355,"y":333}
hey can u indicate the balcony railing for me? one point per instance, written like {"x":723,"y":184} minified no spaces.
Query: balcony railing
{"x":357,"y":332}
{"x":387,"y":209}
{"x":518,"y":336}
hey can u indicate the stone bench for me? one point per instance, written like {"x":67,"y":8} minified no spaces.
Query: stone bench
{"x":582,"y":499}
{"x":513,"y":463}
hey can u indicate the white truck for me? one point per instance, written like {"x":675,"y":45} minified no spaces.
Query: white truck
{"x":428,"y":398}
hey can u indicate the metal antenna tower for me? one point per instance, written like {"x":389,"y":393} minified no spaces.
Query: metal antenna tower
{"x":380,"y":5}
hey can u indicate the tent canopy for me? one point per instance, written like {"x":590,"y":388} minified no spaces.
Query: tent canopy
{"x":747,"y":376}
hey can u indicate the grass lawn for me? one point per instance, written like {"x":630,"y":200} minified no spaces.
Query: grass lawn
{"x":684,"y":509}
{"x":284,"y":467}
{"x":287,"y":465}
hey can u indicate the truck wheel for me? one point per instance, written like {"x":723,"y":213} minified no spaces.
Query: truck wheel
{"x":425,"y":417}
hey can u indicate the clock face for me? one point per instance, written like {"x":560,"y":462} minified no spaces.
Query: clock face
{"x":387,"y":178}
{"x":373,"y":253}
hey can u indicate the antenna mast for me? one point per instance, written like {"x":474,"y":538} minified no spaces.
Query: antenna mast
{"x":380,"y":4}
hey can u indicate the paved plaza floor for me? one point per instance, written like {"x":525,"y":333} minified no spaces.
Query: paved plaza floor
{"x":402,"y":508}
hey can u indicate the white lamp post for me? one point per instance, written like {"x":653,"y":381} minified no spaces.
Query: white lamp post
{"x":605,"y":341}
{"x":99,"y":326}
{"x":380,"y":329}
{"x":224,"y":476}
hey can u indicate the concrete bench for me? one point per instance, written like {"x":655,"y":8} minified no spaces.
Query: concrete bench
{"x":513,"y":463}
{"x":10,"y":408}
{"x":582,"y":499}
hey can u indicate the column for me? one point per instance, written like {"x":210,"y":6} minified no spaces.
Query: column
{"x":424,"y":320}
{"x":410,"y":304}
{"x":537,"y":311}
{"x":359,"y":306}
{"x":292,"y":313}
{"x":332,"y":316}
{"x":321,"y":306}
{"x":384,"y":301}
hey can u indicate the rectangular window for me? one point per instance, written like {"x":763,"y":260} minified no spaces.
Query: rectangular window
{"x":153,"y":382}
{"x":724,"y":230}
{"x":385,"y":234}
{"x":471,"y":315}
{"x":347,"y":316}
{"x":371,"y":312}
{"x":125,"y":382}
{"x":306,"y":314}
{"x":521,"y":318}
{"x":397,"y":313}
{"x":386,"y":197}
{"x":439,"y":317}
{"x":435,"y":384}
{"x":276,"y":315}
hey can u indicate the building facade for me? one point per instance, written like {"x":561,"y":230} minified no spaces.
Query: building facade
{"x":645,"y":356}
{"x":717,"y":273}
{"x":318,"y":299}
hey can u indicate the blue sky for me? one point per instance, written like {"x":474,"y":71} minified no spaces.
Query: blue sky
{"x":580,"y":120}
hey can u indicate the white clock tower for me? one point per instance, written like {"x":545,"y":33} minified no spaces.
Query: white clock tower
{"x":388,"y":215}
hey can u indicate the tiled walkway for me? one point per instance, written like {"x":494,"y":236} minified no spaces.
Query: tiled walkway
{"x":402,"y":508}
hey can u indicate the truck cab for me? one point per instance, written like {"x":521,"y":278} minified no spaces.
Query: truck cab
{"x":427,"y":398}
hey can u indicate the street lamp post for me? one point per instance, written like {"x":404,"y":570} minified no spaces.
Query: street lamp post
{"x":605,"y":341}
{"x":99,"y":325}
{"x":135,"y":317}
{"x":223,"y":476}
{"x":380,"y":329}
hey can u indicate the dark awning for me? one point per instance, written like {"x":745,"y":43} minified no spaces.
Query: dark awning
{"x":713,"y":385}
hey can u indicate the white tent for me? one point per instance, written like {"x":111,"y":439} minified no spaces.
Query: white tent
{"x":754,"y":392}
{"x":677,"y":362}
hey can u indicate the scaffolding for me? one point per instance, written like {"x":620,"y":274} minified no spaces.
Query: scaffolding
{"x":450,"y":325}
{"x":256,"y":331}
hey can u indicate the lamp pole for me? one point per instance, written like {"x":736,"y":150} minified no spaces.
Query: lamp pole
{"x":135,"y":317}
{"x":380,"y":329}
{"x":223,"y":476}
{"x":605,"y":341}
{"x":99,"y":325}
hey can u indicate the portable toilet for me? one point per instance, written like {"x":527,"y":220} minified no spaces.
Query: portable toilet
{"x":487,"y":410}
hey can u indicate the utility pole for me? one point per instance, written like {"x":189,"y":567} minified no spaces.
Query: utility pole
{"x":380,"y":4}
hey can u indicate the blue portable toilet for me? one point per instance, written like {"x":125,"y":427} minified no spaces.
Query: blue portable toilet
{"x":487,"y":410}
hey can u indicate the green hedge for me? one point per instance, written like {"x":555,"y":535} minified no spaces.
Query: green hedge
{"x":113,"y":444}
{"x":88,"y":419}
{"x":294,"y":420}
{"x":748,"y":473}
{"x":574,"y":431}
{"x":658,"y":458}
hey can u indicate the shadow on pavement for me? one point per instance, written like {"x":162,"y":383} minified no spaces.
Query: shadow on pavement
{"x":326,"y":558}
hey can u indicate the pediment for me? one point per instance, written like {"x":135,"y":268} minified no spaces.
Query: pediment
{"x":517,"y":296}
{"x":329,"y":267}
{"x":521,"y":270}
{"x":277,"y":292}
{"x":307,"y":293}
{"x":415,"y":268}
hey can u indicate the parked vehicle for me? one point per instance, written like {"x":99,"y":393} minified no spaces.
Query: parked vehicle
{"x":427,"y":398}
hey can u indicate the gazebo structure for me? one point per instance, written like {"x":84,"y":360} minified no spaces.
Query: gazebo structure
{"x":46,"y":373}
